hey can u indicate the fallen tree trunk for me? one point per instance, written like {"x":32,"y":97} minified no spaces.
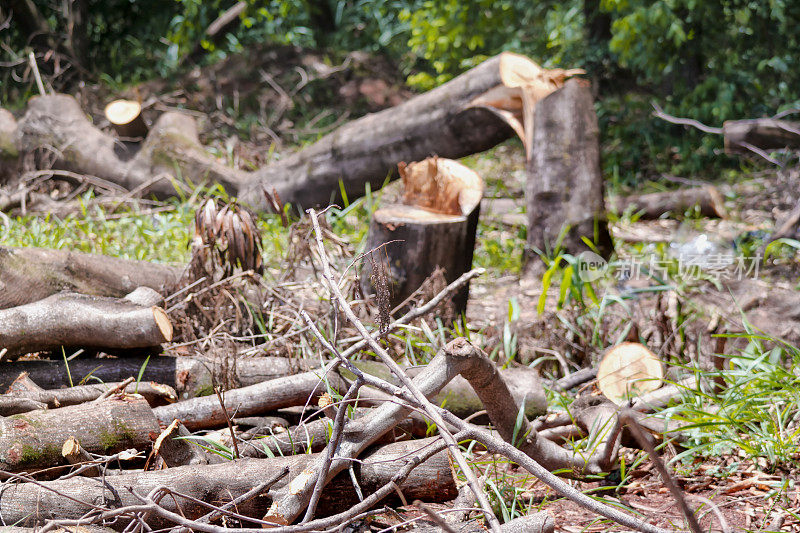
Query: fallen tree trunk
{"x":31,"y":274}
{"x":190,"y":376}
{"x":459,"y":118}
{"x":707,"y":199}
{"x":27,"y":504}
{"x":78,"y":320}
{"x":34,"y":439}
{"x":458,"y":396}
{"x":741,"y":136}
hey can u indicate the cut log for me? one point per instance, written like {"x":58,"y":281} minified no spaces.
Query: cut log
{"x":35,"y":439}
{"x":29,"y":504}
{"x":459,"y":118}
{"x":627,"y":371}
{"x":433,"y":229}
{"x":31,"y":274}
{"x":10,"y":405}
{"x":189,"y":376}
{"x":314,"y":435}
{"x":761,"y":133}
{"x":25,"y":388}
{"x":655,"y":205}
{"x":565,"y":185}
{"x":460,"y":398}
{"x":126,"y":118}
{"x":206,"y":412}
{"x":78,"y":320}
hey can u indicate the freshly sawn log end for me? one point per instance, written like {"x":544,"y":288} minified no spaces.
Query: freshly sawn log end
{"x":126,"y":118}
{"x":627,"y":371}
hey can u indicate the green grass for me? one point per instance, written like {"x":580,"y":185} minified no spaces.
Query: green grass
{"x":757,"y":411}
{"x":161,"y":234}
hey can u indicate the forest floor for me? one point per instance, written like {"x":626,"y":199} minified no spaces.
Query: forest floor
{"x":257,"y":107}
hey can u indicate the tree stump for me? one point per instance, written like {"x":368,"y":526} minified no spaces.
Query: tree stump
{"x":428,"y":226}
{"x":126,"y":118}
{"x":565,"y":186}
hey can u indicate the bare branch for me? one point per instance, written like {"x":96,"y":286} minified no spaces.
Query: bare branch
{"x":659,"y":113}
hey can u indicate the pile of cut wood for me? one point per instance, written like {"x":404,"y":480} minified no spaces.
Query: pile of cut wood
{"x":203,"y":442}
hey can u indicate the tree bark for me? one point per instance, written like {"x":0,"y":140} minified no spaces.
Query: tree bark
{"x":29,"y":505}
{"x":459,"y":397}
{"x":78,"y":320}
{"x":206,"y":412}
{"x":409,"y":246}
{"x":762,"y":133}
{"x":439,"y":202}
{"x":654,"y":205}
{"x":31,"y":274}
{"x":34,"y":439}
{"x":454,"y":120}
{"x":565,"y":185}
{"x":189,"y":376}
{"x":24,"y":388}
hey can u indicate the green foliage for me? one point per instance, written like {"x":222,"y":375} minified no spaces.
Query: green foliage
{"x":753,"y":409}
{"x":160,"y":235}
{"x":711,"y":60}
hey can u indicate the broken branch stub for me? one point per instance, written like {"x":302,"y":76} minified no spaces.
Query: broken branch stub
{"x":429,"y":225}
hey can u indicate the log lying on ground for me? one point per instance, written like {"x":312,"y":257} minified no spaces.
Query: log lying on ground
{"x":707,"y":199}
{"x":206,"y":412}
{"x":25,"y":388}
{"x":78,"y":320}
{"x":189,"y":376}
{"x":541,"y":522}
{"x":458,"y":396}
{"x":34,"y":439}
{"x":455,"y":120}
{"x":73,"y":529}
{"x":31,"y":274}
{"x":741,"y":136}
{"x":313,"y":436}
{"x":28,"y":505}
{"x":565,"y":185}
{"x":440,"y":203}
